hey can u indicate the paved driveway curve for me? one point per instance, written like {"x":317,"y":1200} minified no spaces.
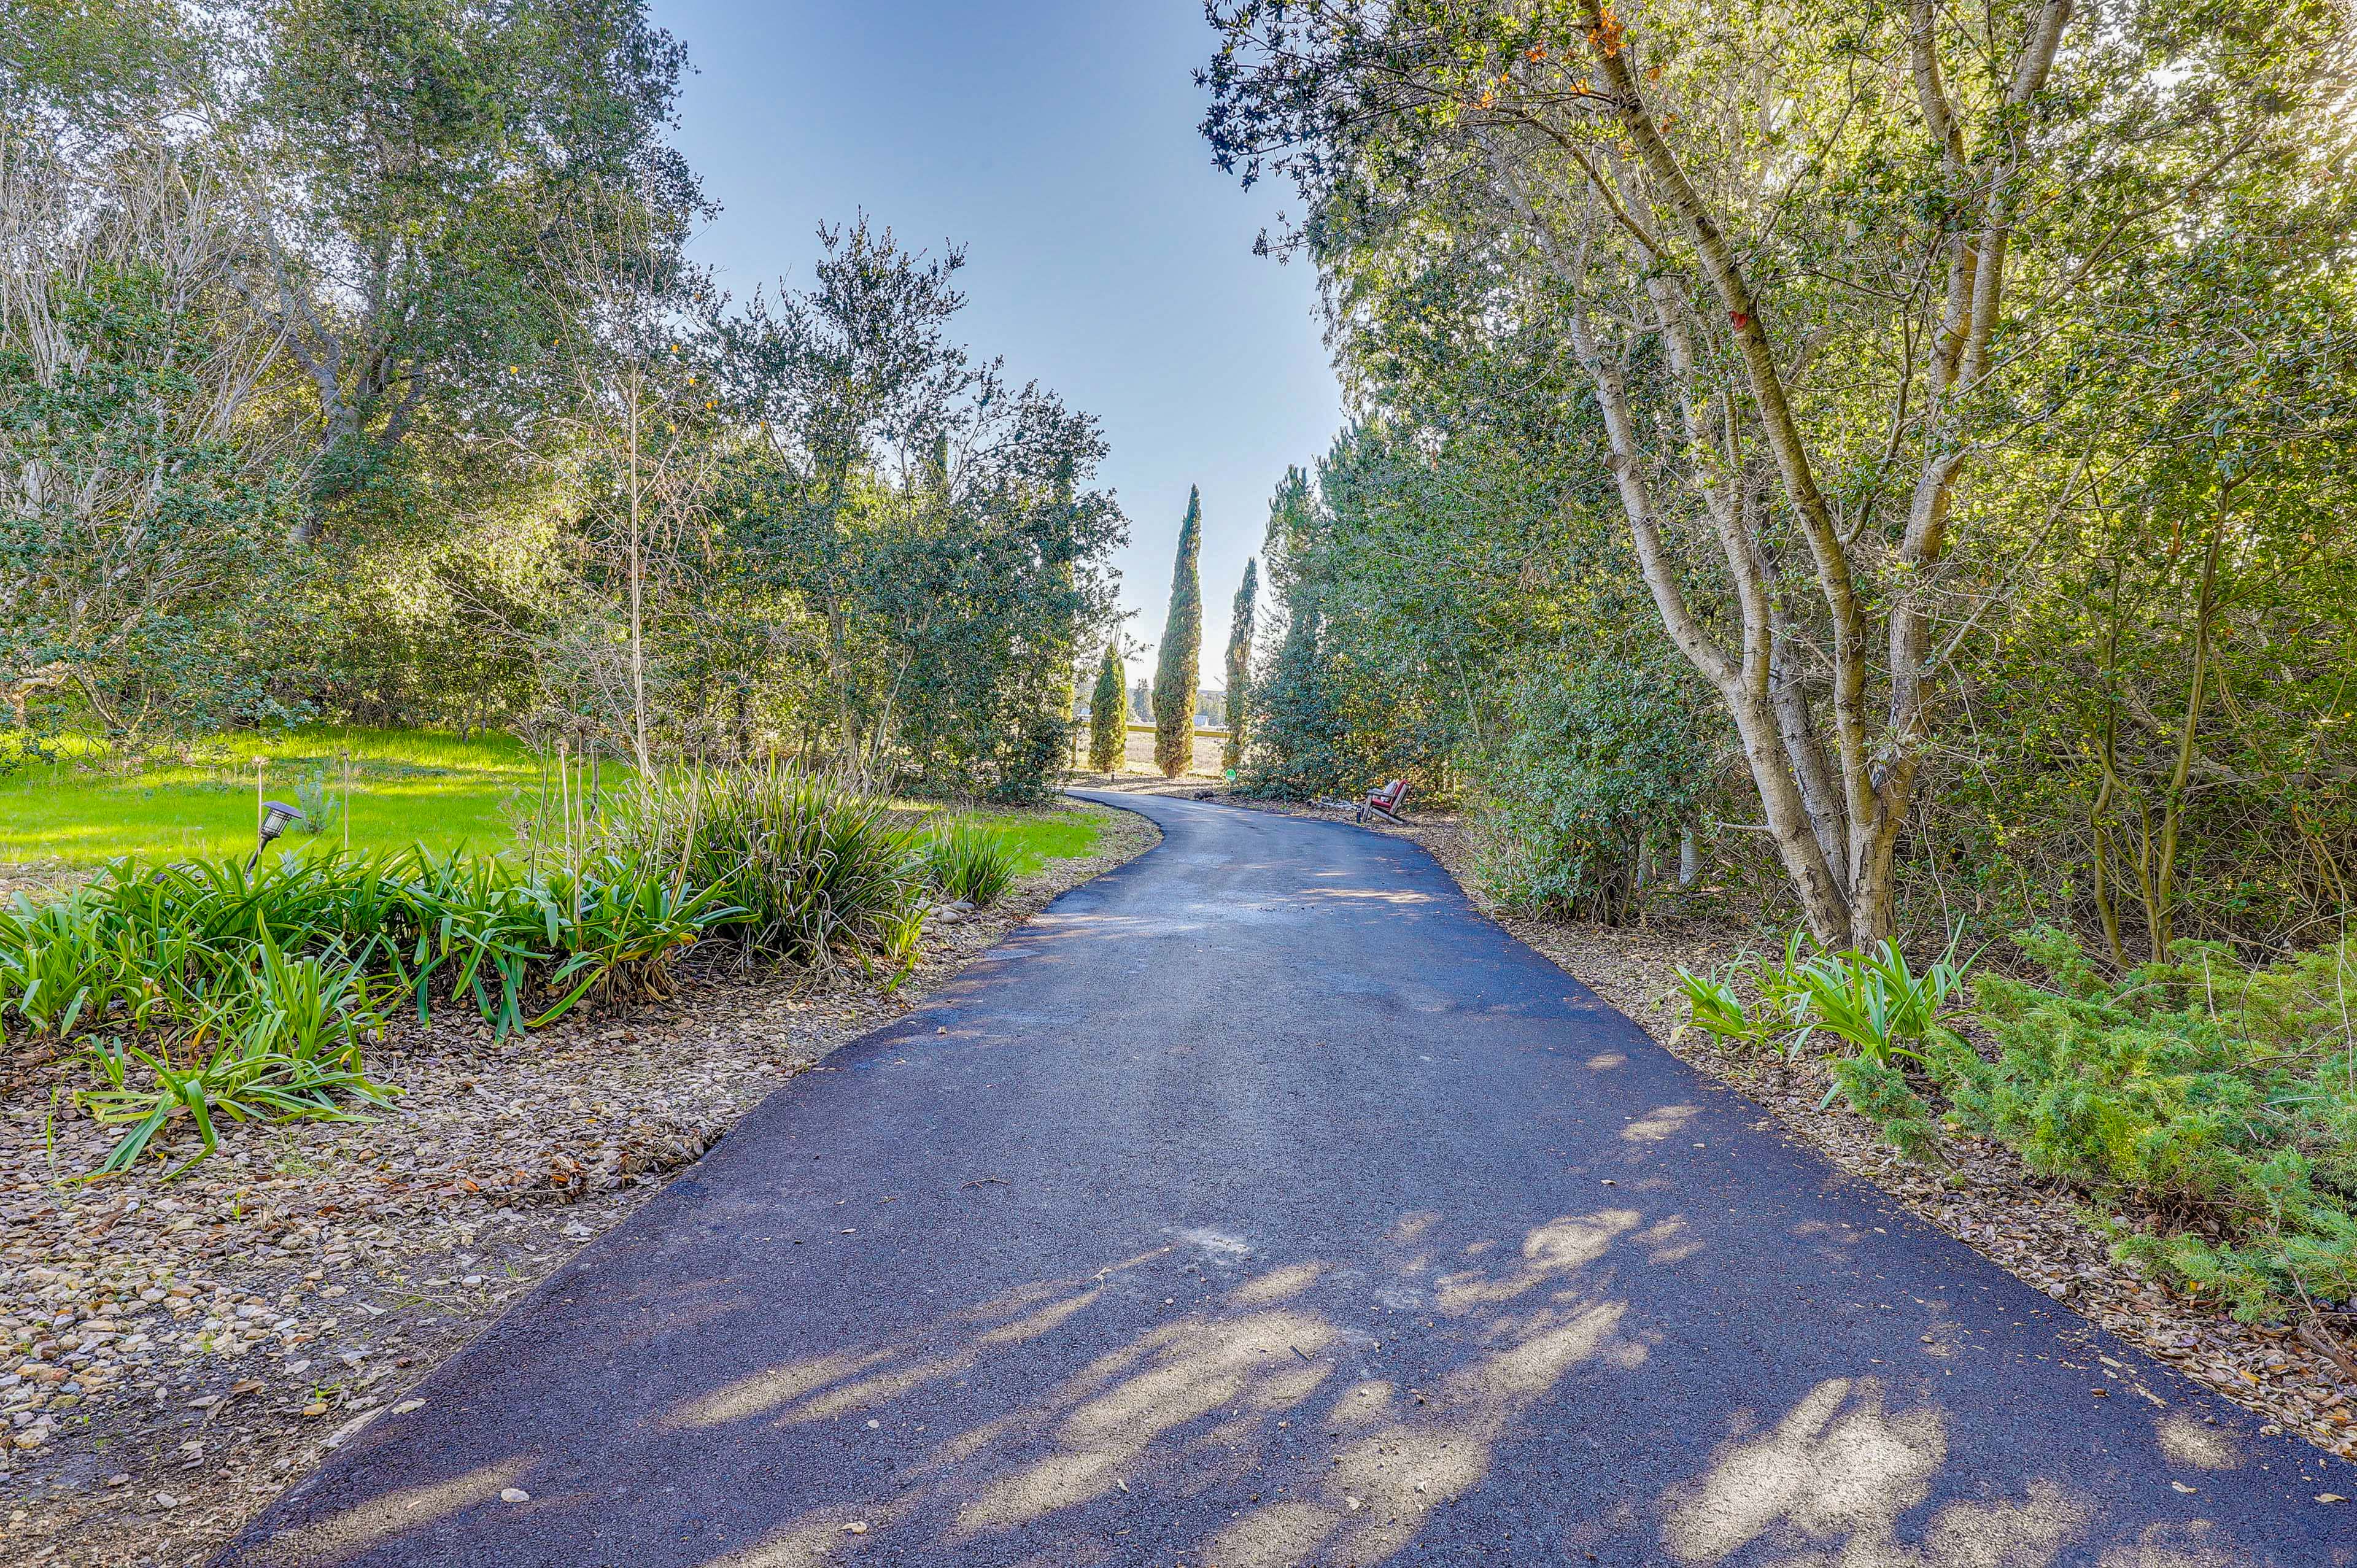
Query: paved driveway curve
{"x":1260,"y":1203}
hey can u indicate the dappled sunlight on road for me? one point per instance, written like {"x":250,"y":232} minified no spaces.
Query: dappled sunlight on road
{"x":809,"y":1542}
{"x":346,"y":1535}
{"x":1663,"y":1122}
{"x":1407,"y":1453}
{"x":2179,"y":1546}
{"x":1559,"y":1247}
{"x":1394,"y":895}
{"x":1831,"y":1480}
{"x":775,"y":1389}
{"x":1265,"y":1403}
{"x":1090,"y":925}
{"x":1120,"y":1406}
{"x":821,"y":1388}
{"x":1265,"y":1390}
{"x":2189,"y":1443}
{"x":1277,"y":1285}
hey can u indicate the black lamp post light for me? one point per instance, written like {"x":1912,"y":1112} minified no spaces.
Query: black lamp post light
{"x":276,"y":815}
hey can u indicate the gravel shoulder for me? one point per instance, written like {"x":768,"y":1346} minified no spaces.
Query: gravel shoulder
{"x":173,"y":1355}
{"x":2039,"y":1230}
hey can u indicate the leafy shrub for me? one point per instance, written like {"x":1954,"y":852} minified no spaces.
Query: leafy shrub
{"x":1600,"y":762}
{"x":2223,"y":1096}
{"x":813,"y":872}
{"x":1882,"y":1010}
{"x":966,"y":860}
{"x":2219,"y":1097}
{"x":286,"y":1048}
{"x":317,"y":799}
{"x":23,"y":749}
{"x":473,"y":929}
{"x":249,"y":992}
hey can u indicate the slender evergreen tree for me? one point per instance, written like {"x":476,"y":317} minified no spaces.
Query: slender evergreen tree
{"x":1240,"y":643}
{"x":1176,"y":667}
{"x":1108,"y":716}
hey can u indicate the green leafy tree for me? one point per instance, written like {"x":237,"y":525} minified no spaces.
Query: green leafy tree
{"x":927,"y":529}
{"x":86,"y":76}
{"x":1177,"y":661}
{"x":1431,"y":568}
{"x":1296,"y":751}
{"x":139,"y":497}
{"x":842,"y":381}
{"x":1240,"y":645}
{"x":1817,"y":546}
{"x":1605,"y":763}
{"x":1108,"y":735}
{"x":422,"y":168}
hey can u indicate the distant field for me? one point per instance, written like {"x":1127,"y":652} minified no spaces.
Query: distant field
{"x":1138,"y":753}
{"x":408,"y":787}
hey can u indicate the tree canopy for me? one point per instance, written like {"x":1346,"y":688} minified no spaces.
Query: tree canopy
{"x":350,"y":364}
{"x":1879,"y":364}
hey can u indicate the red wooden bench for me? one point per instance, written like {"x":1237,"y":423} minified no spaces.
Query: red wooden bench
{"x":1385,"y":802}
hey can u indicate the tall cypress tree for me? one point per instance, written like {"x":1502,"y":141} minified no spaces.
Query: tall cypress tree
{"x":1177,"y":668}
{"x":1108,"y":716}
{"x":1239,"y":641}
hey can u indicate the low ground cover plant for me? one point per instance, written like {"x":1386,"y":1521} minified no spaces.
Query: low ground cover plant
{"x":282,"y":1043}
{"x":817,"y":874}
{"x":1877,"y":1013}
{"x":206,"y":990}
{"x":966,"y":860}
{"x":2221,"y":1094}
{"x":2214,"y":1098}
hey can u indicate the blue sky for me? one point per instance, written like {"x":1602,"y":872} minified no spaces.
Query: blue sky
{"x":1056,"y":140}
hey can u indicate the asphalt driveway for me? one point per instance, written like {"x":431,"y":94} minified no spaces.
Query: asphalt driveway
{"x":1260,"y":1203}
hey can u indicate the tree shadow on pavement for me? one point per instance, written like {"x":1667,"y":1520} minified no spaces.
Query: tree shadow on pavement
{"x":1258,"y":1424}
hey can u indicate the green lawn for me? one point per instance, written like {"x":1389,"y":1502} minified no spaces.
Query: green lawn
{"x":408,"y":787}
{"x":1039,"y":837}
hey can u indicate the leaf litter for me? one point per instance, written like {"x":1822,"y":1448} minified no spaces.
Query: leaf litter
{"x":172,"y":1355}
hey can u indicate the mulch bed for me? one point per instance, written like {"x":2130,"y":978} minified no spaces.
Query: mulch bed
{"x":2041,"y":1232}
{"x":173,"y":1354}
